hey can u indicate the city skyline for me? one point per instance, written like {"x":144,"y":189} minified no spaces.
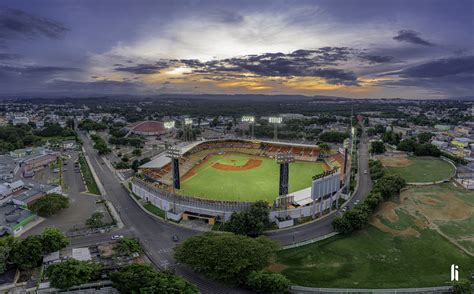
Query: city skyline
{"x":359,"y":49}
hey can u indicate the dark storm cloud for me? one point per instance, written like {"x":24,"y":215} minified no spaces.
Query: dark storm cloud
{"x":301,"y":63}
{"x":452,"y":75}
{"x":32,"y":71}
{"x":19,"y":24}
{"x":376,"y":58}
{"x":9,"y":56}
{"x":143,"y":69}
{"x":442,"y":67}
{"x":412,"y":37}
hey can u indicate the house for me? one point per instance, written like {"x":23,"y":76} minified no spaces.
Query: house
{"x":440,"y":144}
{"x":461,"y":142}
{"x":20,"y":120}
{"x":13,"y":218}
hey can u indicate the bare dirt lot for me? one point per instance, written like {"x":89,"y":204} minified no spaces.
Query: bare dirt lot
{"x":442,"y":208}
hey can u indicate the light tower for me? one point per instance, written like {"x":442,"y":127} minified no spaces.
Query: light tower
{"x":251,"y":120}
{"x":175,"y":153}
{"x":276,"y":120}
{"x":188,"y":129}
{"x":284,"y":159}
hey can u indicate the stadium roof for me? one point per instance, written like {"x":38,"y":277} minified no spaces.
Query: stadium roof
{"x":147,"y":127}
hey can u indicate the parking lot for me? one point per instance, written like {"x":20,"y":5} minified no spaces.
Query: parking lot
{"x":82,"y":205}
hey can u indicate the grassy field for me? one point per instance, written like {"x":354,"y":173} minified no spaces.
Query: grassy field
{"x":374,"y":259}
{"x":423,"y":170}
{"x":87,"y":175}
{"x":155,"y":210}
{"x":401,"y":248}
{"x":259,"y":183}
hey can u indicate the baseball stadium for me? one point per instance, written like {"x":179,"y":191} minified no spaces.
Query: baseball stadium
{"x":239,"y":170}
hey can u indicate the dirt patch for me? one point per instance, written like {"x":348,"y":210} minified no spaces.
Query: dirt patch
{"x":387,"y":211}
{"x":376,"y":222}
{"x":453,"y":209}
{"x":250,"y":164}
{"x":276,"y":267}
{"x":396,"y":161}
{"x":193,"y":171}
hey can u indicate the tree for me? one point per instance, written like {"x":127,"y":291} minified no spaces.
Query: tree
{"x":377,"y":147}
{"x":391,"y":138}
{"x":268,"y":282}
{"x":137,"y":152}
{"x":424,"y":137}
{"x":389,"y":185}
{"x":333,"y":137}
{"x":325,"y":148}
{"x":252,"y":221}
{"x":71,"y":273}
{"x":27,"y":253}
{"x":53,"y":239}
{"x":50,"y":204}
{"x":226,"y":257}
{"x":140,"y":278}
{"x":462,"y":286}
{"x":95,"y":221}
{"x":342,"y":225}
{"x":6,"y":246}
{"x":127,"y":246}
{"x":407,"y":145}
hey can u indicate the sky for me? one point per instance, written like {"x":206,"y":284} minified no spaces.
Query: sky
{"x":350,"y":48}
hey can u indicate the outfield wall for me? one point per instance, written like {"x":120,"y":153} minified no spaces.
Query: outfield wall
{"x":222,"y":209}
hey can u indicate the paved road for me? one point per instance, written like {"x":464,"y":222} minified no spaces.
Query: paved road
{"x":324,"y":226}
{"x":155,"y":235}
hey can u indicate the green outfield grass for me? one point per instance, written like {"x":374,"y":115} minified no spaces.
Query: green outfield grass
{"x":260,"y":183}
{"x":423,"y":170}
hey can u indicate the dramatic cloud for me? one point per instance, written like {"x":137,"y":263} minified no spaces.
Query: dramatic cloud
{"x":412,"y":37}
{"x":142,"y":69}
{"x":19,"y":24}
{"x":377,"y":58}
{"x":442,"y":68}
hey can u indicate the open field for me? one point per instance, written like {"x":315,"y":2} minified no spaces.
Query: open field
{"x":418,"y":169}
{"x":242,"y":177}
{"x":411,"y":242}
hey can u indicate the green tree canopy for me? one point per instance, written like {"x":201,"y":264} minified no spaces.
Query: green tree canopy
{"x":53,"y":240}
{"x":6,"y":246}
{"x":27,"y":253}
{"x":226,"y":257}
{"x":50,"y":204}
{"x":71,"y":273}
{"x":140,"y":278}
{"x":252,"y":221}
{"x":267,"y":282}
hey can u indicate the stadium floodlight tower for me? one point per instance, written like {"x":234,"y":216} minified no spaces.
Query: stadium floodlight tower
{"x":188,"y":129}
{"x":284,"y":160}
{"x":276,"y":120}
{"x":251,"y":120}
{"x":174,"y":153}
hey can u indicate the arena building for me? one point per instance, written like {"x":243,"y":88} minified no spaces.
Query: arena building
{"x":147,"y":128}
{"x":219,"y":177}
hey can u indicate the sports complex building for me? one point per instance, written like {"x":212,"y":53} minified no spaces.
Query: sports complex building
{"x":218,"y":177}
